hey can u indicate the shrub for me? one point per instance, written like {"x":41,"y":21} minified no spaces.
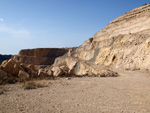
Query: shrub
{"x":29,"y":85}
{"x":35,"y":84}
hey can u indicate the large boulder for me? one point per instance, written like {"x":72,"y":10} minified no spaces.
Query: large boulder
{"x":23,"y":76}
{"x":32,"y":67}
{"x":42,"y":73}
{"x":73,"y":66}
{"x":11,"y":67}
{"x":3,"y":76}
{"x":57,"y":71}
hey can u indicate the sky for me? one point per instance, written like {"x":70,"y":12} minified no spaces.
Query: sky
{"x":27,"y":24}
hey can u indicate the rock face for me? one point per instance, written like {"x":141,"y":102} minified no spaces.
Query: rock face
{"x":41,"y":56}
{"x":128,"y":38}
{"x":124,"y":43}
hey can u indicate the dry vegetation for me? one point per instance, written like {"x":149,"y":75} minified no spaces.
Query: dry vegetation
{"x":35,"y":84}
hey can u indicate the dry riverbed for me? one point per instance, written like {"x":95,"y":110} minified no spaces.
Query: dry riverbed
{"x":128,"y":93}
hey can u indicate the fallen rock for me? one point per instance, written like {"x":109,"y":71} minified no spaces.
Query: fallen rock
{"x":42,"y":73}
{"x":23,"y":76}
{"x":32,"y":67}
{"x":3,"y":76}
{"x":57,"y":71}
{"x":50,"y":73}
{"x":7,"y":66}
{"x":73,"y":66}
{"x":11,"y":67}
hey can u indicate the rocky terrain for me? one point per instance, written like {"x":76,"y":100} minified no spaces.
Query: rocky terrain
{"x":123,"y":44}
{"x":128,"y":93}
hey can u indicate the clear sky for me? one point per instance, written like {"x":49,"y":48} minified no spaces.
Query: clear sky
{"x":26,"y":24}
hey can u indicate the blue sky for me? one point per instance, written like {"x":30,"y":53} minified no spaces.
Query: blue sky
{"x":26,"y":24}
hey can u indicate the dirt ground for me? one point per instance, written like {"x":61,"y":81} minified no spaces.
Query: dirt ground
{"x":128,"y":93}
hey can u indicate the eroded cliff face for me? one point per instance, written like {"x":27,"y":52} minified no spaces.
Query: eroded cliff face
{"x":40,"y":56}
{"x":124,"y":43}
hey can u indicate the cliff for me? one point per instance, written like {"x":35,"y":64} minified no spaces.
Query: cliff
{"x":39,"y":56}
{"x":137,"y":21}
{"x":124,"y":44}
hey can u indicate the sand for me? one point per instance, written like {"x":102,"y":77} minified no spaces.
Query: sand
{"x":128,"y":93}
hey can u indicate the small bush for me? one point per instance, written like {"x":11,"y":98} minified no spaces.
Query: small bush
{"x":29,"y":85}
{"x":35,"y":84}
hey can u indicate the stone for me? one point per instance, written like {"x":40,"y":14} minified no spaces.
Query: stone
{"x":23,"y":76}
{"x":11,"y":67}
{"x":3,"y":76}
{"x":50,"y":73}
{"x":3,"y":73}
{"x":16,"y":69}
{"x":57,"y":71}
{"x":26,"y":68}
{"x":42,"y":73}
{"x":32,"y":67}
{"x":7,"y":66}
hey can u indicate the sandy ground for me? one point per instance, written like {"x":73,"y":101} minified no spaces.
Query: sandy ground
{"x":128,"y":93}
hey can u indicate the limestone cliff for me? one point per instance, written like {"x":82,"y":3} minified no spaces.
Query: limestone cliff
{"x":39,"y":56}
{"x":124,"y":43}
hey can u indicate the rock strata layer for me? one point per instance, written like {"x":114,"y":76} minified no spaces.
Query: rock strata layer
{"x":41,"y":56}
{"x":124,"y":43}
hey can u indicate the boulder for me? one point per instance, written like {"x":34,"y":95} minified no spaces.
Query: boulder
{"x":16,"y":69}
{"x":57,"y":71}
{"x":32,"y":67}
{"x":26,"y":68}
{"x":50,"y":73}
{"x":23,"y":76}
{"x":3,"y":73}
{"x":11,"y":67}
{"x":42,"y":73}
{"x":73,"y":66}
{"x":3,"y":76}
{"x":70,"y":64}
{"x":7,"y":66}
